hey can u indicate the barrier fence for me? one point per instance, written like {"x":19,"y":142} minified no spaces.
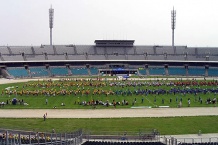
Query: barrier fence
{"x":141,"y":135}
{"x":16,"y":137}
{"x":188,"y":141}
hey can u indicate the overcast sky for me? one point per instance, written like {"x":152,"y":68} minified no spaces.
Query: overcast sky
{"x":148,"y":22}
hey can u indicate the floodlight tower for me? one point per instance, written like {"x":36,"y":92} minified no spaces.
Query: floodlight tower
{"x":173,"y":26}
{"x":51,"y":19}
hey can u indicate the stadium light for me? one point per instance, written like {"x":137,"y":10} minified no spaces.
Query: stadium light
{"x":173,"y":26}
{"x":51,"y":19}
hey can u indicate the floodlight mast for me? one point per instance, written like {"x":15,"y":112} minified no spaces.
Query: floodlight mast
{"x":173,"y":26}
{"x":51,"y":19}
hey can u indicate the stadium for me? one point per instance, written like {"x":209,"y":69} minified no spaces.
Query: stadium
{"x":107,"y":57}
{"x":114,"y":64}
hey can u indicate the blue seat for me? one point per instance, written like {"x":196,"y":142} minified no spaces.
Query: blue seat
{"x":18,"y":72}
{"x":38,"y":71}
{"x":59,"y":71}
{"x":79,"y":71}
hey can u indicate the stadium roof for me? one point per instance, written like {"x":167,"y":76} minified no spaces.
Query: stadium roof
{"x":114,"y":43}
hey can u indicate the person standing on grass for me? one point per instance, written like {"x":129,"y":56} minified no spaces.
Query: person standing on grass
{"x":46,"y":101}
{"x":162,"y":101}
{"x":189,"y":102}
{"x":180,"y":104}
{"x":44,"y":117}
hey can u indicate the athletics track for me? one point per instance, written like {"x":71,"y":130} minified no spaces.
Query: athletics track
{"x":108,"y":113}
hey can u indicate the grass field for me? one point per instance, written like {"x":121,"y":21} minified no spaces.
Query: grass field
{"x":103,"y":92}
{"x":166,"y":126}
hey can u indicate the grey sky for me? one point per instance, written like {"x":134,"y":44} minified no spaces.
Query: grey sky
{"x":25,"y":22}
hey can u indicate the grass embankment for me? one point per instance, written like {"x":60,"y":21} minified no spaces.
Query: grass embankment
{"x":166,"y":126}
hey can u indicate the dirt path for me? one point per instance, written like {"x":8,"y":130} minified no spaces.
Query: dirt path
{"x":107,"y":113}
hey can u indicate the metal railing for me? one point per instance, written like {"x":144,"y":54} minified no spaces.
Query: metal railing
{"x":141,"y":135}
{"x":199,"y":140}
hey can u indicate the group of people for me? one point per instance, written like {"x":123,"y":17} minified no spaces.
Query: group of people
{"x":114,"y":88}
{"x":25,"y":139}
{"x":104,"y":103}
{"x":82,"y":88}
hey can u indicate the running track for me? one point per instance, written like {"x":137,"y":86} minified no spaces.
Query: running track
{"x":108,"y":113}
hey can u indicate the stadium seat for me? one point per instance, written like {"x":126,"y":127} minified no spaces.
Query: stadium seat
{"x":18,"y":72}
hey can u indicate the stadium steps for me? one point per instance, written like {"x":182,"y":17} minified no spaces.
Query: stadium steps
{"x":69,"y":71}
{"x":55,"y":51}
{"x":95,"y":50}
{"x":2,"y":59}
{"x":125,"y":52}
{"x":106,"y":56}
{"x":29,"y":73}
{"x":46,"y":56}
{"x":75,"y":50}
{"x":33,"y":50}
{"x":66,"y":56}
{"x":5,"y":73}
{"x":141,"y":71}
{"x":126,"y":57}
{"x":105,"y":51}
{"x":89,"y":72}
{"x":135,"y":50}
{"x":9,"y":50}
{"x":49,"y":71}
{"x":86,"y":56}
{"x":23,"y":56}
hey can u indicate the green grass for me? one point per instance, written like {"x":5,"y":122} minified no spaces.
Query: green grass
{"x":166,"y":126}
{"x":71,"y":101}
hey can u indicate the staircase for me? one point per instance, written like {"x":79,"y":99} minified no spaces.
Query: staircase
{"x":75,"y":51}
{"x":54,"y":49}
{"x":1,"y":57}
{"x":5,"y":73}
{"x":33,"y":51}
{"x":89,"y":72}
{"x":9,"y":50}
{"x":95,"y":50}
